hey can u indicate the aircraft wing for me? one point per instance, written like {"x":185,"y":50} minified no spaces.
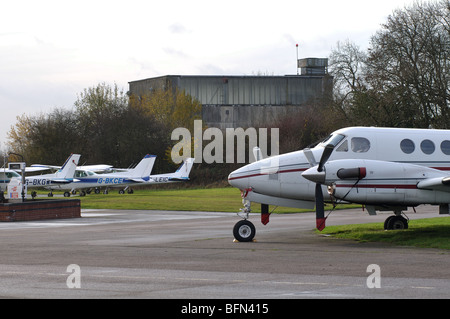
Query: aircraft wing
{"x":42,"y":167}
{"x":63,"y":181}
{"x":436,"y":183}
{"x":32,"y":169}
{"x":99,"y":168}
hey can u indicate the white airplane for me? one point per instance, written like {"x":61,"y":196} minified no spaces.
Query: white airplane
{"x":380,"y":168}
{"x":140,"y":175}
{"x":63,"y":176}
{"x":180,"y":175}
{"x":5,"y":177}
{"x":85,"y":179}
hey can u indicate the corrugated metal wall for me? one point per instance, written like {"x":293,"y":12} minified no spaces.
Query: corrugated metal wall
{"x":242,"y":101}
{"x":234,"y":90}
{"x":239,"y":90}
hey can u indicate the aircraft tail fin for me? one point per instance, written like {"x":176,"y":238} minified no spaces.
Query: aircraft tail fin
{"x":144,"y":167}
{"x":182,"y":173}
{"x":69,"y":167}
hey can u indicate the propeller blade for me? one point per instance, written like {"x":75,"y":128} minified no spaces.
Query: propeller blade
{"x":320,"y":209}
{"x":325,"y":156}
{"x":309,"y":157}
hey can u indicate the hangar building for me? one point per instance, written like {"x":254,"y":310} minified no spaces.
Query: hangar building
{"x":244,"y":101}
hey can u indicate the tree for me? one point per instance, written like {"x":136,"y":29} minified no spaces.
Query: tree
{"x":102,"y":127}
{"x":45,"y":138}
{"x":410,"y":59}
{"x":404,"y":78}
{"x":347,"y":62}
{"x":172,"y":109}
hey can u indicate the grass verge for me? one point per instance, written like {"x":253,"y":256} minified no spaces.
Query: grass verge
{"x":424,"y":233}
{"x":224,"y":199}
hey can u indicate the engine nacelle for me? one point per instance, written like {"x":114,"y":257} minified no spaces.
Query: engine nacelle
{"x":378,"y":182}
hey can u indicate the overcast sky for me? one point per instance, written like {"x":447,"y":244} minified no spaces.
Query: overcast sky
{"x":51,"y":50}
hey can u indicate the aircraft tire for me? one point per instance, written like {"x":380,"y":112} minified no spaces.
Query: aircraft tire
{"x":395,"y":222}
{"x":244,"y":231}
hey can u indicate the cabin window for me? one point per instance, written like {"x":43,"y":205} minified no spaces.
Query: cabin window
{"x":445,"y":147}
{"x":427,"y":147}
{"x":360,"y":144}
{"x":407,"y":146}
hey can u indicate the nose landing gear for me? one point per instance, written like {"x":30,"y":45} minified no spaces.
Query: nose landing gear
{"x":244,"y":230}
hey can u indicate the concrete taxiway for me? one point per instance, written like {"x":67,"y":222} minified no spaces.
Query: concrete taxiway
{"x":174,"y":254}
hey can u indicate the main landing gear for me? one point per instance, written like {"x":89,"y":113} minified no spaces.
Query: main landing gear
{"x":396,"y":222}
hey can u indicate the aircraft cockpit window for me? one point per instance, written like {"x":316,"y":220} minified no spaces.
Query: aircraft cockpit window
{"x":445,"y":147}
{"x":427,"y":147}
{"x":343,"y":147}
{"x":407,"y":146}
{"x":360,"y":144}
{"x":12,"y":174}
{"x":333,"y":139}
{"x":80,"y":174}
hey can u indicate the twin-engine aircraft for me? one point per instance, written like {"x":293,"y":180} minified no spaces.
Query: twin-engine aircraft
{"x":380,"y":168}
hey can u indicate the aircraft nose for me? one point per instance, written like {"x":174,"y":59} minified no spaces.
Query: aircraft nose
{"x":238,"y":179}
{"x":313,"y":175}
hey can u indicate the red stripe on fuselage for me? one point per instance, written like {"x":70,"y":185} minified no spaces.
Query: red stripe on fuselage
{"x":261,"y":174}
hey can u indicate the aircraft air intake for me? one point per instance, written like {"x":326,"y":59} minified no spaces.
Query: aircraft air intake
{"x":352,"y":173}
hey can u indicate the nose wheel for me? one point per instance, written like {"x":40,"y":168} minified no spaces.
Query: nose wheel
{"x":244,"y":231}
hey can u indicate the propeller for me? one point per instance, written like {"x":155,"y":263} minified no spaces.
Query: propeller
{"x":325,"y":156}
{"x":320,"y":207}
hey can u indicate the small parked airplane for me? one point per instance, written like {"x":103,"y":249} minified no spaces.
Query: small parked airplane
{"x":86,"y":179}
{"x":380,"y":168}
{"x":63,"y":176}
{"x":180,"y":175}
{"x":140,"y":175}
{"x":5,"y":177}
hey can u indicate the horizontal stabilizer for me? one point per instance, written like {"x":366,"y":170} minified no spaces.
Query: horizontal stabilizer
{"x":138,"y":180}
{"x":179,"y":179}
